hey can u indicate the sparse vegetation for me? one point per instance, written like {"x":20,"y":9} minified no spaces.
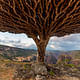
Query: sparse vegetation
{"x":27,"y":66}
{"x":75,"y":70}
{"x":51,"y":73}
{"x":78,"y":65}
{"x":69,"y":65}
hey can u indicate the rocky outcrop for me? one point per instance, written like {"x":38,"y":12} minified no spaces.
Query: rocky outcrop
{"x":34,"y":71}
{"x":64,"y":59}
{"x":76,"y":61}
{"x":40,"y":71}
{"x":50,"y":59}
{"x":23,"y":72}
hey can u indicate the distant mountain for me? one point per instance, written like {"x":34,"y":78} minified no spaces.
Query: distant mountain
{"x":12,"y":52}
{"x":75,"y":54}
{"x":32,"y":47}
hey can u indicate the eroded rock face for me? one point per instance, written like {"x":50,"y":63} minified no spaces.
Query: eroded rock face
{"x":64,"y":59}
{"x":39,"y":69}
{"x":50,"y":59}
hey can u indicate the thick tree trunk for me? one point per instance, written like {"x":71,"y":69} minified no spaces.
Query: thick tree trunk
{"x":41,"y":47}
{"x":41,"y":51}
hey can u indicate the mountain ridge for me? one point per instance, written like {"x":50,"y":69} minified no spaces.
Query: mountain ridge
{"x":12,"y":52}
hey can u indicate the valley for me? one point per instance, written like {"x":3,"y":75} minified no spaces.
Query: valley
{"x":13,"y":59}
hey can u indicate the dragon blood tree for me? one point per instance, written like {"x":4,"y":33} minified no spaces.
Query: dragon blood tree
{"x":40,"y":19}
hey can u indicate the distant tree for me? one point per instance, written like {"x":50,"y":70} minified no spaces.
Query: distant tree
{"x":40,"y":19}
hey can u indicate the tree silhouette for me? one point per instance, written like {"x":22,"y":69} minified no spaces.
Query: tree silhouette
{"x":40,"y":19}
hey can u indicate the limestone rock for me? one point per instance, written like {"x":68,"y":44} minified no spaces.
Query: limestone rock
{"x":39,"y":69}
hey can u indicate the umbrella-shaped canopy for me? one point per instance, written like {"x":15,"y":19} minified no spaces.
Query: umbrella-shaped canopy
{"x":40,"y":19}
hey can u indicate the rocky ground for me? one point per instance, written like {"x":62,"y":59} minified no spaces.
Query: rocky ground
{"x":50,"y":72}
{"x":34,"y":71}
{"x":7,"y":69}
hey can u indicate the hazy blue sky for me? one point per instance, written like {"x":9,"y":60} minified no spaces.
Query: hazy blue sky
{"x":71,"y":42}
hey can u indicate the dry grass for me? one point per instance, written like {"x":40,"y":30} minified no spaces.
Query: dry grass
{"x":6,"y":73}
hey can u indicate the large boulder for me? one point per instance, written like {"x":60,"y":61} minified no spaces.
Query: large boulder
{"x":39,"y":69}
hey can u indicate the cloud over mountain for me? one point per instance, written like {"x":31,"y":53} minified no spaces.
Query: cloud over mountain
{"x":70,"y":42}
{"x":15,"y":40}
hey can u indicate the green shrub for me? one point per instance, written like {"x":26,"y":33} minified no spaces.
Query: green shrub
{"x":51,"y":73}
{"x":75,"y":69}
{"x":70,"y":65}
{"x":67,"y":60}
{"x":25,"y":66}
{"x":78,"y":65}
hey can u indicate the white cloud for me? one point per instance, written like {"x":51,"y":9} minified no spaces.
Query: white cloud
{"x":71,"y":42}
{"x":15,"y":40}
{"x":52,"y":46}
